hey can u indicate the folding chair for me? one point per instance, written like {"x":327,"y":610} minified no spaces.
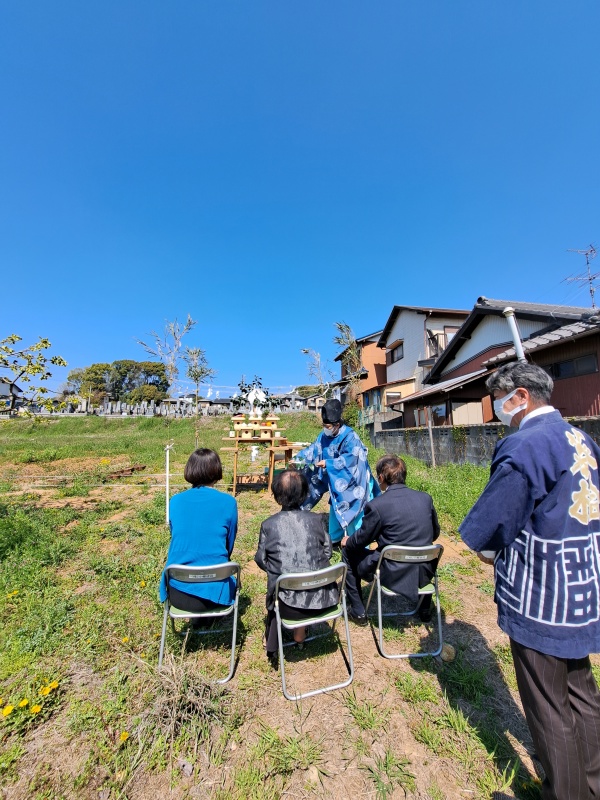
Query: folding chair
{"x":209,"y":574}
{"x":300,"y":581}
{"x":407,"y":555}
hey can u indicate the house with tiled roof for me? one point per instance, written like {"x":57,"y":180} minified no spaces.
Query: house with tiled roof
{"x":413,"y":338}
{"x":562,"y":339}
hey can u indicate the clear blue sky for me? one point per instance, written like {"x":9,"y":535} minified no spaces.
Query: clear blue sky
{"x":272,"y":167}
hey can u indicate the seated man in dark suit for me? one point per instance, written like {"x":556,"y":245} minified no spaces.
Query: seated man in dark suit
{"x":398,"y":516}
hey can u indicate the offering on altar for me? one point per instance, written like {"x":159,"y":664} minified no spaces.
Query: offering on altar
{"x":238,"y":420}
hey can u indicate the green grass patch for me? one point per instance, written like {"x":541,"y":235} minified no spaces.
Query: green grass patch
{"x":365,"y":714}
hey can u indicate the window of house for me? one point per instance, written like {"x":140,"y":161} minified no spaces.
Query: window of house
{"x":450,"y":332}
{"x":584,"y":365}
{"x":397,"y":353}
{"x":439,"y":415}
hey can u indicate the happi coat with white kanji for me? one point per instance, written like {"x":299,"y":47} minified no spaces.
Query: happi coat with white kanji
{"x":540,"y":513}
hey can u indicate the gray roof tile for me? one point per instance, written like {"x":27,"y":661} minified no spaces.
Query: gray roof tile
{"x":574,"y":329}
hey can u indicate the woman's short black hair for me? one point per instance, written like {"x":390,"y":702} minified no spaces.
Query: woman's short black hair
{"x":203,"y":467}
{"x":290,"y":489}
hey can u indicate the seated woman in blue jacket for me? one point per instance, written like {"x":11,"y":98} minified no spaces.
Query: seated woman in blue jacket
{"x":203,"y":524}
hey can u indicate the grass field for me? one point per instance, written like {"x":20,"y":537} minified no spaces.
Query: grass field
{"x":85,"y":714}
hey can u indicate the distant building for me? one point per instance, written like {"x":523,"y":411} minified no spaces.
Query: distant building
{"x":10,"y":394}
{"x":563,"y":339}
{"x":370,"y":378}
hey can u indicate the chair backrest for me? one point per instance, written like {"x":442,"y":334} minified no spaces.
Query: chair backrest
{"x":412,"y":555}
{"x":196,"y":574}
{"x":301,"y":581}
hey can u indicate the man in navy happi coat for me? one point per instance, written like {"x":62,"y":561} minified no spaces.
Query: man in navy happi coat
{"x":540,"y":515}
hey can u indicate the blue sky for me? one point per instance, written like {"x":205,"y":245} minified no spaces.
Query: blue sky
{"x":272,"y":167}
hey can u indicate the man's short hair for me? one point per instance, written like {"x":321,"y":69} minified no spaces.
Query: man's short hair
{"x":520,"y":375}
{"x":391,"y":469}
{"x":203,"y":467}
{"x":290,"y":489}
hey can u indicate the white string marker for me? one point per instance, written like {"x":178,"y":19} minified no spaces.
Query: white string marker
{"x":167,"y":476}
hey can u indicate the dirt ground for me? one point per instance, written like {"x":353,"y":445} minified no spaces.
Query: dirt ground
{"x":351,"y":753}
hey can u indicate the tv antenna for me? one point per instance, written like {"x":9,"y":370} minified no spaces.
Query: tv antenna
{"x":589,"y":254}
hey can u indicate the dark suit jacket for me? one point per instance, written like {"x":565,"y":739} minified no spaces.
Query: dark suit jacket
{"x":296,"y":541}
{"x":399,"y":516}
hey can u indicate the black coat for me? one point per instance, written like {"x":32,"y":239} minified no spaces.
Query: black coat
{"x":398,"y":516}
{"x":296,"y":541}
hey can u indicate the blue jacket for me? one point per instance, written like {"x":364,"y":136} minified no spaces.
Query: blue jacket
{"x":540,"y":513}
{"x":203,"y":525}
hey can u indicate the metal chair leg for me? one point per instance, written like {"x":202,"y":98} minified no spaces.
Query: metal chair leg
{"x":164,"y":634}
{"x":314,"y":692}
{"x":233,"y":643}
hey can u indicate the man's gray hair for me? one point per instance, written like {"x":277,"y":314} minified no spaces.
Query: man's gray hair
{"x":524,"y":376}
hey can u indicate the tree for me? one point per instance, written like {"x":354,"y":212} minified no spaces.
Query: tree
{"x":319,"y":371}
{"x":94,"y":381}
{"x":74,"y":381}
{"x":147,"y":392}
{"x":122,"y":380}
{"x":197,"y":368}
{"x":351,"y":359}
{"x":126,"y":376}
{"x":167,"y":347}
{"x":28,"y":365}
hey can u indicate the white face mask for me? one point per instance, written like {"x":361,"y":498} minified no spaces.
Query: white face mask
{"x":505,"y":417}
{"x":329,"y":432}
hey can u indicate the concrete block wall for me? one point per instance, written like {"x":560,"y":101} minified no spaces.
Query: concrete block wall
{"x":473,"y":444}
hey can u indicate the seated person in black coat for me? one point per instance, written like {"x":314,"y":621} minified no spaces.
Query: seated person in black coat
{"x":293,"y":541}
{"x":398,"y":516}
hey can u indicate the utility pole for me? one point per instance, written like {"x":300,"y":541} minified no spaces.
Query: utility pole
{"x":589,"y":254}
{"x":168,"y":449}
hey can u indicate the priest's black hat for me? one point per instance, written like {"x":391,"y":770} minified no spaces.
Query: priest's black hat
{"x":332,"y":412}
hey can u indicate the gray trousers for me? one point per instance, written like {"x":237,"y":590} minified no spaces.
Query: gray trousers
{"x":562,"y":706}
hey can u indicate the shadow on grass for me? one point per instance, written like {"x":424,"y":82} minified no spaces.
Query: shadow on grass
{"x":206,"y":639}
{"x":475,"y":688}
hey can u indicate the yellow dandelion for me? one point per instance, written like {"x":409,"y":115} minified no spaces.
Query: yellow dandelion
{"x":142,"y":584}
{"x":7,"y":710}
{"x":125,"y":639}
{"x":36,"y":709}
{"x":45,"y":690}
{"x":105,"y":460}
{"x":142,"y":655}
{"x":124,"y":736}
{"x":53,"y":684}
{"x":24,"y":702}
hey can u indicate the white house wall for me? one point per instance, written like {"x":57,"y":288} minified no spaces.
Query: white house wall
{"x":410,"y":329}
{"x":491,"y":332}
